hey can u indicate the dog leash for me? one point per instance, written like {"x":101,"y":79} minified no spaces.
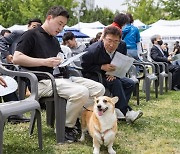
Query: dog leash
{"x":87,"y":109}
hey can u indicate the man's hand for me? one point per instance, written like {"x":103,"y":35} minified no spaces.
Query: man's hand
{"x":108,"y":67}
{"x":110,"y":78}
{"x":169,"y":58}
{"x":52,"y":62}
{"x":2,"y":82}
{"x":9,"y":58}
{"x":171,"y":54}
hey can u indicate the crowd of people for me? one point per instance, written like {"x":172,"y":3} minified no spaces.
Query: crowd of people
{"x":37,"y":50}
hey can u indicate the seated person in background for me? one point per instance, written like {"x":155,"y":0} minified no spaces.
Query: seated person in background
{"x":158,"y":55}
{"x":76,"y":47}
{"x":176,"y":49}
{"x":37,"y":50}
{"x":165,"y":49}
{"x":8,"y":43}
{"x":12,"y":97}
{"x":98,"y":36}
{"x":5,"y":32}
{"x":97,"y":59}
{"x":70,"y":40}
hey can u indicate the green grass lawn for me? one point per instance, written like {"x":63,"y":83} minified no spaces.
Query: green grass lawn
{"x":157,"y":132}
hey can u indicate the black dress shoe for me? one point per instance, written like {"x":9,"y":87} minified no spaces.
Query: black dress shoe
{"x":15,"y":119}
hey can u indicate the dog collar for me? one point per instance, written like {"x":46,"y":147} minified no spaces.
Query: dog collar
{"x":87,"y":109}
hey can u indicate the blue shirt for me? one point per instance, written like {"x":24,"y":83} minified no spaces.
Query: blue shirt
{"x":131,"y":35}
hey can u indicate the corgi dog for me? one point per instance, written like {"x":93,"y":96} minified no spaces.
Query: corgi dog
{"x":101,"y":122}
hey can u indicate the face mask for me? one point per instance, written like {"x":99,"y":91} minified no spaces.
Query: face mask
{"x":160,"y":42}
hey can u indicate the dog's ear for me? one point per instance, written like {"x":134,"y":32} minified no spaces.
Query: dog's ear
{"x":115,"y":99}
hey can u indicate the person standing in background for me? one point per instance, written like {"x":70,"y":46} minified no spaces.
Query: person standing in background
{"x":119,"y":21}
{"x":131,"y":35}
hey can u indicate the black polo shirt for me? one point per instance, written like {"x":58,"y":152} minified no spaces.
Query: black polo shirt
{"x":37,"y":43}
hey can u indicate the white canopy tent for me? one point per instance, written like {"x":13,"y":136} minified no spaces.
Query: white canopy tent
{"x":91,"y":32}
{"x":1,"y":28}
{"x":139,"y":24}
{"x":18,"y":27}
{"x":169,"y":34}
{"x":95,"y":25}
{"x":90,"y":29}
{"x":166,"y":23}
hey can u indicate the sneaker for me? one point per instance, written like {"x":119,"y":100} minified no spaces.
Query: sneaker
{"x":77,"y":127}
{"x":119,"y":114}
{"x":176,"y":88}
{"x":132,"y":116}
{"x":70,"y":136}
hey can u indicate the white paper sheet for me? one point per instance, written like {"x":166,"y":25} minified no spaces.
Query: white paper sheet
{"x":122,"y":63}
{"x":11,"y":86}
{"x":70,"y":60}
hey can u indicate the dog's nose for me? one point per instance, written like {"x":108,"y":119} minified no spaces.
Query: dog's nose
{"x":99,"y":106}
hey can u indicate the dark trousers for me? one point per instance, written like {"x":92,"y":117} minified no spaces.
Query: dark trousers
{"x":10,"y":97}
{"x":175,"y":70}
{"x":122,"y":88}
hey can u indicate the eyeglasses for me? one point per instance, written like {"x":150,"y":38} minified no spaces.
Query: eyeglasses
{"x":109,"y":41}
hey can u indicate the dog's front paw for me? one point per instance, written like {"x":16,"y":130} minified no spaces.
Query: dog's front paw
{"x":111,"y":151}
{"x":96,"y":151}
{"x":82,"y":138}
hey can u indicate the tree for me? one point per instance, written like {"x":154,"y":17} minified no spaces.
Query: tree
{"x":9,"y":10}
{"x":105,"y":16}
{"x":39,"y":8}
{"x":148,"y":11}
{"x":20,"y":11}
{"x":172,"y":8}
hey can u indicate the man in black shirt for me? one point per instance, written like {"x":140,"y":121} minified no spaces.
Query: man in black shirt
{"x":37,"y":50}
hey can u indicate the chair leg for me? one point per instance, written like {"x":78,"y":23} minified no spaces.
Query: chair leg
{"x":156,"y":88}
{"x":147,"y":89}
{"x":1,"y":135}
{"x":39,"y":128}
{"x":50,"y":114}
{"x":137,"y":93}
{"x":161,"y":82}
{"x":32,"y":122}
{"x":166,"y":84}
{"x":170,"y":80}
{"x":60,"y":113}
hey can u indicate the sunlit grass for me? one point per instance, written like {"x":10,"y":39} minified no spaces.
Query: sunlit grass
{"x":157,"y":132}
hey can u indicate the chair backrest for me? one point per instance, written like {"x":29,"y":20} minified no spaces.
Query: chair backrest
{"x":32,"y":78}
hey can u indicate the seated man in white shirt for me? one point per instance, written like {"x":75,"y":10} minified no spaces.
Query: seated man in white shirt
{"x":70,"y":40}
